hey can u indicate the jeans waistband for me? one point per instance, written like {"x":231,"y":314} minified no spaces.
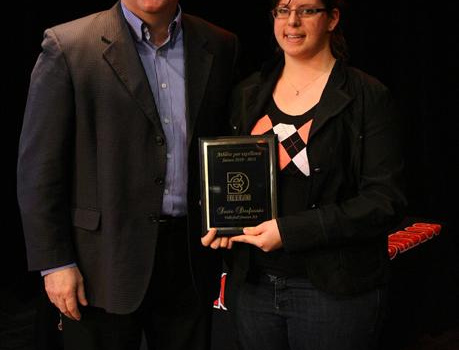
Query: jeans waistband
{"x":259,"y":277}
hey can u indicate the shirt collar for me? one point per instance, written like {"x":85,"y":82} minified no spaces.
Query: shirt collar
{"x":139,"y":28}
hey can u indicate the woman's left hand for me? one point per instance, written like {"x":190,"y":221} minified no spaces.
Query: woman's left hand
{"x":265,"y":236}
{"x":212,"y":240}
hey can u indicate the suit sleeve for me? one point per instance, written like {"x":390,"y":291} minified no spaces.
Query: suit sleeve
{"x":45,"y":160}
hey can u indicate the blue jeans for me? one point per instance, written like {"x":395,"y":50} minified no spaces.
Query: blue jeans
{"x":277,"y":313}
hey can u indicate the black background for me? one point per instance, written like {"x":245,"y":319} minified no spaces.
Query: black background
{"x":410,"y":48}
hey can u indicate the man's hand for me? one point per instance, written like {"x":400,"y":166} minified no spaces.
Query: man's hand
{"x":265,"y":236}
{"x":65,"y":290}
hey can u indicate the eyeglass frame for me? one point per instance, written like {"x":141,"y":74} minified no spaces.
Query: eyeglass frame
{"x":312,"y":12}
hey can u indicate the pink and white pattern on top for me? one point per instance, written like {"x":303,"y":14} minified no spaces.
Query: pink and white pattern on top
{"x":292,"y":143}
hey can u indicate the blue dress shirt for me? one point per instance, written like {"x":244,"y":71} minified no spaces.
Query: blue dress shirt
{"x":165,"y":68}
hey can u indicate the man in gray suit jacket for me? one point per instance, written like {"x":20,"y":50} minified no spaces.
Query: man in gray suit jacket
{"x":108,"y":182}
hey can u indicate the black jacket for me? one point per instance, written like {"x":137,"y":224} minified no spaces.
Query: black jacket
{"x":355,"y":196}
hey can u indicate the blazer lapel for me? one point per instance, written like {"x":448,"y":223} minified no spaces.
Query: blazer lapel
{"x":334,"y":99}
{"x":121,"y":54}
{"x":257,"y":95}
{"x":198,"y":61}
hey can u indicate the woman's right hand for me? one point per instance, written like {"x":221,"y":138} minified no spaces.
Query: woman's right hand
{"x":215,"y":242}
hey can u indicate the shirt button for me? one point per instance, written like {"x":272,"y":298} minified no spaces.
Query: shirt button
{"x":167,"y":120}
{"x":166,"y":191}
{"x":163,"y":85}
{"x":168,"y":156}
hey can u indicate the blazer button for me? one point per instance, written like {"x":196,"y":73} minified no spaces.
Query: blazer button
{"x":317,"y":170}
{"x":159,"y":181}
{"x":159,"y":140}
{"x":313,"y":206}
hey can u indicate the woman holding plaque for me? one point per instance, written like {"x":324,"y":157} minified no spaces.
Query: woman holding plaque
{"x":315,"y":277}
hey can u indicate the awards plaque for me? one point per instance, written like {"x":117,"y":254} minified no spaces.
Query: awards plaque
{"x":238,"y":182}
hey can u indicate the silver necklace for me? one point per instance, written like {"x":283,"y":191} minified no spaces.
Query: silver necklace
{"x":297,"y":91}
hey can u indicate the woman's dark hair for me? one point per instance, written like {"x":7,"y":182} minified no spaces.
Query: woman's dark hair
{"x":338,"y":43}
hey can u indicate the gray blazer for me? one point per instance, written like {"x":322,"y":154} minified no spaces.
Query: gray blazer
{"x":92,"y":154}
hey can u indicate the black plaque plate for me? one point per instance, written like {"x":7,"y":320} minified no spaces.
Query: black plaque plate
{"x":238,"y":182}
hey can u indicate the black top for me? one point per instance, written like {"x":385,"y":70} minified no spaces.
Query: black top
{"x":293,"y":182}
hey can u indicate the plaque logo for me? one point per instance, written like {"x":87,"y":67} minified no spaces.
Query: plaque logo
{"x":237,"y":185}
{"x":238,"y":182}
